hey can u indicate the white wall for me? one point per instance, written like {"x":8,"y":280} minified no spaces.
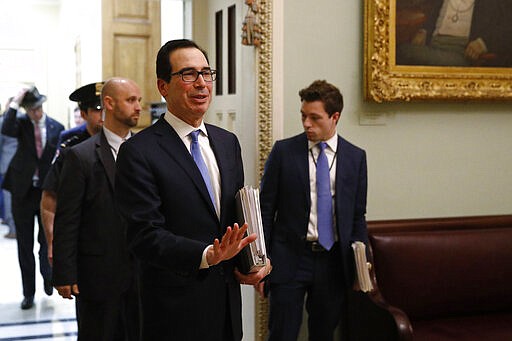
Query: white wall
{"x":429,"y":159}
{"x":24,"y":55}
{"x":80,"y":55}
{"x":172,"y":17}
{"x":37,"y":46}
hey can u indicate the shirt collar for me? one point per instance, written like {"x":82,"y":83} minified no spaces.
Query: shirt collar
{"x":115,"y":140}
{"x":332,"y":143}
{"x":182,"y":128}
{"x":41,"y":122}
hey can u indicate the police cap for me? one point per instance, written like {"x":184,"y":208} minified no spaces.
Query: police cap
{"x":88,"y":96}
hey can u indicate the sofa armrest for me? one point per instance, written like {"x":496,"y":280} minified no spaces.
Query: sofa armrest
{"x":402,"y":323}
{"x":370,"y":317}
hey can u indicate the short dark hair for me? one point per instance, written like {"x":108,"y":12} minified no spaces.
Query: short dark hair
{"x":163,"y":62}
{"x":325,"y":92}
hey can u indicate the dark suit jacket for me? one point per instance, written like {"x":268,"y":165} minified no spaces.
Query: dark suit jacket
{"x":18,"y":179}
{"x":285,"y":204}
{"x":89,"y":245}
{"x":171,"y":220}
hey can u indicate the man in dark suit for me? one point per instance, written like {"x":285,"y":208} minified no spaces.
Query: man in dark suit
{"x":90,"y":256}
{"x":37,"y":135}
{"x":307,"y":259}
{"x":177,"y":210}
{"x":89,"y":102}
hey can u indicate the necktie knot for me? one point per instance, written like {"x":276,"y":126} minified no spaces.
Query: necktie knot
{"x":322,"y":145}
{"x":194,"y":135}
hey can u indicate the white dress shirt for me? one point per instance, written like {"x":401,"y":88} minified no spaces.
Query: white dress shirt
{"x":183,"y":130}
{"x":332,"y":155}
{"x":42,"y":127}
{"x":455,"y":18}
{"x":115,"y":140}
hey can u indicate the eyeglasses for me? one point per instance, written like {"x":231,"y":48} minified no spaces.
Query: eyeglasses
{"x":191,"y":75}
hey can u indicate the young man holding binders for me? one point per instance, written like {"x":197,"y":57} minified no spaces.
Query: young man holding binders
{"x":313,"y":203}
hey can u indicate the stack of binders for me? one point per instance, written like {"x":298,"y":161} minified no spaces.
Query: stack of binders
{"x":254,"y":256}
{"x":362,"y":267}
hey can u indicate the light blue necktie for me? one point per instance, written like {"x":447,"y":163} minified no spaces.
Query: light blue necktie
{"x":324,"y":200}
{"x":198,"y":158}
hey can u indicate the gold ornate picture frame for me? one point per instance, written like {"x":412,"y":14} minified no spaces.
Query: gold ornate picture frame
{"x":385,"y":81}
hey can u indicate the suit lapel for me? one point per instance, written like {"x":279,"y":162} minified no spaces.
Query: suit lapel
{"x":342,"y":167}
{"x":301,"y":158}
{"x":173,"y":146}
{"x":50,"y":132}
{"x":29,"y":128}
{"x":224,"y":162}
{"x":105,"y":156}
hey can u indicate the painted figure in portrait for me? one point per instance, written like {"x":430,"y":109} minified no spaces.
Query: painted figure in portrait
{"x":454,"y":33}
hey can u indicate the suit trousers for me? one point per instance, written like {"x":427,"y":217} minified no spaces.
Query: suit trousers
{"x":8,"y":219}
{"x":24,"y":209}
{"x":319,"y":278}
{"x":114,"y":319}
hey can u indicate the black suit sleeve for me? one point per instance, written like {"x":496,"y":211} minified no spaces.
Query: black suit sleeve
{"x":269,"y":194}
{"x":67,"y":220}
{"x":359,"y":225}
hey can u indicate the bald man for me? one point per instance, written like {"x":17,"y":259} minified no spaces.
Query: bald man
{"x":90,"y":257}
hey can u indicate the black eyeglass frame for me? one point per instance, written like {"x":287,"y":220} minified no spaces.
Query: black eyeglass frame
{"x":211,"y":72}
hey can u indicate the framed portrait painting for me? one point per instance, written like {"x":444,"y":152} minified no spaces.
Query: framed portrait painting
{"x":438,"y":50}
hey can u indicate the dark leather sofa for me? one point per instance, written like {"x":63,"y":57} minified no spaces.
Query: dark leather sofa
{"x":437,"y":279}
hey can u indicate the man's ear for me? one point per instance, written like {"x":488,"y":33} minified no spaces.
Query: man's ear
{"x":162,"y":87}
{"x":83,"y":113}
{"x":336,"y":117}
{"x":108,"y":102}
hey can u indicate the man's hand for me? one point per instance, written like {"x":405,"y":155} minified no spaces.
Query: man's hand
{"x":19,"y":96}
{"x":231,"y":244}
{"x":475,"y":49}
{"x":420,"y":38}
{"x":50,"y":252}
{"x":67,"y":290}
{"x":254,"y":278}
{"x":260,"y":288}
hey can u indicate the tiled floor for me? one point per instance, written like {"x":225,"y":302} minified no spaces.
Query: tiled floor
{"x":51,"y":318}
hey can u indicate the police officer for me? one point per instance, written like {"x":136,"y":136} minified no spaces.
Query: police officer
{"x":89,"y":102}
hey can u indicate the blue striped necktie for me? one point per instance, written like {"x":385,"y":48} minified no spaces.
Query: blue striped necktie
{"x":324,"y":200}
{"x":198,"y":158}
